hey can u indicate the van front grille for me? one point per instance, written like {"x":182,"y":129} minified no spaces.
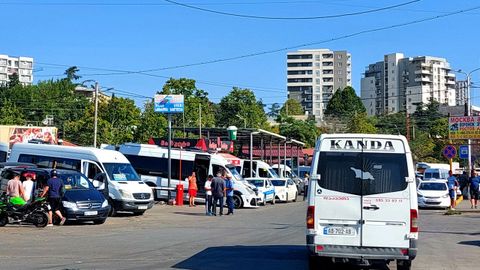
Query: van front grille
{"x":141,"y":196}
{"x":89,"y":205}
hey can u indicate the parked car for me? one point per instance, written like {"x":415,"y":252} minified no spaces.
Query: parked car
{"x":265,"y":188}
{"x":433,"y":194}
{"x":285,"y":190}
{"x":81,"y":200}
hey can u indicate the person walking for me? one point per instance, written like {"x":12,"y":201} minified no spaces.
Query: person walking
{"x":15,"y":189}
{"x":192,"y":189}
{"x":208,"y":196}
{"x":452,"y":184}
{"x":28,"y":185}
{"x":305,"y":185}
{"x":55,"y":192}
{"x":229,"y":192}
{"x":218,"y":192}
{"x":474,"y":186}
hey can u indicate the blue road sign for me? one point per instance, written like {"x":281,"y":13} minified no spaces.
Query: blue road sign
{"x":169,"y":103}
{"x":463,"y":151}
{"x":449,"y":151}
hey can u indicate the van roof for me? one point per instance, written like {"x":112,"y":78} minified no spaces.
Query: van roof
{"x":103,"y":155}
{"x":356,"y":135}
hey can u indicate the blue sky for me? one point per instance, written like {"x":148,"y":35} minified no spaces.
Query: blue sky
{"x":149,"y":34}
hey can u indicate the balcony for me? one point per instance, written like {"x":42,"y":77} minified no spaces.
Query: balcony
{"x":423,"y":71}
{"x":450,"y":75}
{"x":423,"y":79}
{"x":450,"y":82}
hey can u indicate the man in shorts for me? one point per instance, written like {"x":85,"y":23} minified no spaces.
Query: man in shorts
{"x":452,"y":185}
{"x":55,"y":190}
{"x":474,"y":190}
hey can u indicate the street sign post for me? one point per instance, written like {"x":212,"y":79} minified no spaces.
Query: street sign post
{"x":463,"y":151}
{"x":449,"y":152}
{"x":169,"y":104}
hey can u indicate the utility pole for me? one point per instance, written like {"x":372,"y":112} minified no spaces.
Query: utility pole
{"x":96,"y":116}
{"x":407,"y":125}
{"x":200,"y":118}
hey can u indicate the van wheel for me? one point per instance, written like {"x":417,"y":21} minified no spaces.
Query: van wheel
{"x":295,"y":198}
{"x":237,"y":201}
{"x":274,"y":199}
{"x":404,"y":264}
{"x":113,"y":211}
{"x":264,"y":200}
{"x":286,"y":197}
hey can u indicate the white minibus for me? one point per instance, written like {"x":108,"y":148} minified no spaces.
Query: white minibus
{"x":362,"y":201}
{"x":151,"y":162}
{"x":259,"y":169}
{"x":107,"y":169}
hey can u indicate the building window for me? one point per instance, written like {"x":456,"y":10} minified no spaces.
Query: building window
{"x":340,"y":80}
{"x":339,"y":72}
{"x":340,"y":64}
{"x":317,"y":64}
{"x":339,"y":56}
{"x":317,"y":57}
{"x":317,"y":73}
{"x":317,"y":81}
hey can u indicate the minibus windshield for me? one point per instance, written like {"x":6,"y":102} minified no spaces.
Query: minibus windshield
{"x":121,"y":172}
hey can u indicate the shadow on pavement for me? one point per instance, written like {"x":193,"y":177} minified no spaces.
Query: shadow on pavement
{"x":189,"y":214}
{"x":470,"y":243}
{"x":278,"y":257}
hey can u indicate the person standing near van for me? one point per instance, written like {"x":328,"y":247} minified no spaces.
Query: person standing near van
{"x":218,"y":192}
{"x":208,"y":195}
{"x":229,"y":193}
{"x":474,"y":190}
{"x":55,"y":189}
{"x":28,"y":185}
{"x":452,"y":184}
{"x":192,"y":189}
{"x":15,"y":189}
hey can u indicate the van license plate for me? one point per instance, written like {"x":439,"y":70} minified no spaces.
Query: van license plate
{"x":142,"y":207}
{"x":90,"y":213}
{"x":338,"y":231}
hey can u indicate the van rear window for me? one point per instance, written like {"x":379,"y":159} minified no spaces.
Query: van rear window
{"x":362,"y":173}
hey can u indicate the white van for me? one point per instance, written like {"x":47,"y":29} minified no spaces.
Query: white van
{"x":362,"y":201}
{"x":151,"y":162}
{"x":126,"y":191}
{"x":3,"y":151}
{"x":259,"y":169}
{"x":435,"y":173}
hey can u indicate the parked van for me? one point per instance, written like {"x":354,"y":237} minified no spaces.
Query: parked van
{"x":435,"y":173}
{"x":362,"y":201}
{"x":151,"y":162}
{"x":259,"y":169}
{"x":3,"y":151}
{"x":105,"y":168}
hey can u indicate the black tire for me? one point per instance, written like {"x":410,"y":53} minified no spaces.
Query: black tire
{"x":404,"y":264}
{"x":139,"y":213}
{"x":3,"y":220}
{"x":274,"y":199}
{"x":295,"y":198}
{"x":286,"y":197}
{"x":40,"y":219}
{"x":99,"y":221}
{"x":237,"y":201}
{"x":113,"y":211}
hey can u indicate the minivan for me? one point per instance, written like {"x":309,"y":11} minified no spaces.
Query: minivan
{"x":362,"y":201}
{"x":435,"y":173}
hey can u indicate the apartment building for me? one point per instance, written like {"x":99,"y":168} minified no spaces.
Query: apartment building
{"x":461,"y":92}
{"x":400,"y":83}
{"x":22,"y":66}
{"x":314,"y":75}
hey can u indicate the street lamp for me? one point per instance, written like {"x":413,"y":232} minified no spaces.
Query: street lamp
{"x":469,"y":112}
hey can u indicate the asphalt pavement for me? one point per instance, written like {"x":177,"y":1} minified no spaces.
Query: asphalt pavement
{"x":173,"y":237}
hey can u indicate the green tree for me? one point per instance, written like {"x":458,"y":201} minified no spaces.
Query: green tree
{"x":305,"y":131}
{"x":361,"y":123}
{"x":274,"y":110}
{"x":291,"y":107}
{"x":391,"y":123}
{"x":124,"y":118}
{"x":344,"y":104}
{"x":241,"y":108}
{"x":426,"y":114}
{"x":152,"y":124}
{"x":10,"y":114}
{"x":423,"y":147}
{"x":71,"y":73}
{"x":14,"y":80}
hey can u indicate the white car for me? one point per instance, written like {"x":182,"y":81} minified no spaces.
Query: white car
{"x":266,"y":190}
{"x":433,"y":194}
{"x":285,"y":190}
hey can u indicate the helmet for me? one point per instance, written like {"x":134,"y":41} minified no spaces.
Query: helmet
{"x":53,"y":173}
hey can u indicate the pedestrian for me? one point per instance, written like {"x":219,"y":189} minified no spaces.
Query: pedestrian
{"x":192,"y":189}
{"x":15,"y":189}
{"x":474,"y":186}
{"x":54,"y":188}
{"x":452,"y":184}
{"x":229,"y":193}
{"x":28,"y":185}
{"x":208,"y":195}
{"x":305,"y":185}
{"x":218,"y":192}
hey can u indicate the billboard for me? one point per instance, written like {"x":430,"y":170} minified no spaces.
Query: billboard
{"x":169,"y":103}
{"x":464,"y":127}
{"x":24,"y":134}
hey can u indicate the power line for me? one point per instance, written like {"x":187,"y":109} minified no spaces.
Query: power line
{"x":291,"y":18}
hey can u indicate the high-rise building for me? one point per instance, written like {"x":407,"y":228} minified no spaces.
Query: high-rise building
{"x":461,"y":92}
{"x":314,"y":75}
{"x":399,"y":84}
{"x":22,"y":66}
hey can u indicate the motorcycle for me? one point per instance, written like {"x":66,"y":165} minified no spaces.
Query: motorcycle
{"x":34,"y":212}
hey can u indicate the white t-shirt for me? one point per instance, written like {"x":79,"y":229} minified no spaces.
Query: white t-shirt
{"x":208,"y":187}
{"x":28,"y":187}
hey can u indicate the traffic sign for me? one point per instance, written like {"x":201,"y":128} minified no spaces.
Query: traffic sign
{"x":449,"y":151}
{"x":463,"y":151}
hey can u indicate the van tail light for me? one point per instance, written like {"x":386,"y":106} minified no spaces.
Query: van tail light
{"x":310,"y":217}
{"x":413,"y":220}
